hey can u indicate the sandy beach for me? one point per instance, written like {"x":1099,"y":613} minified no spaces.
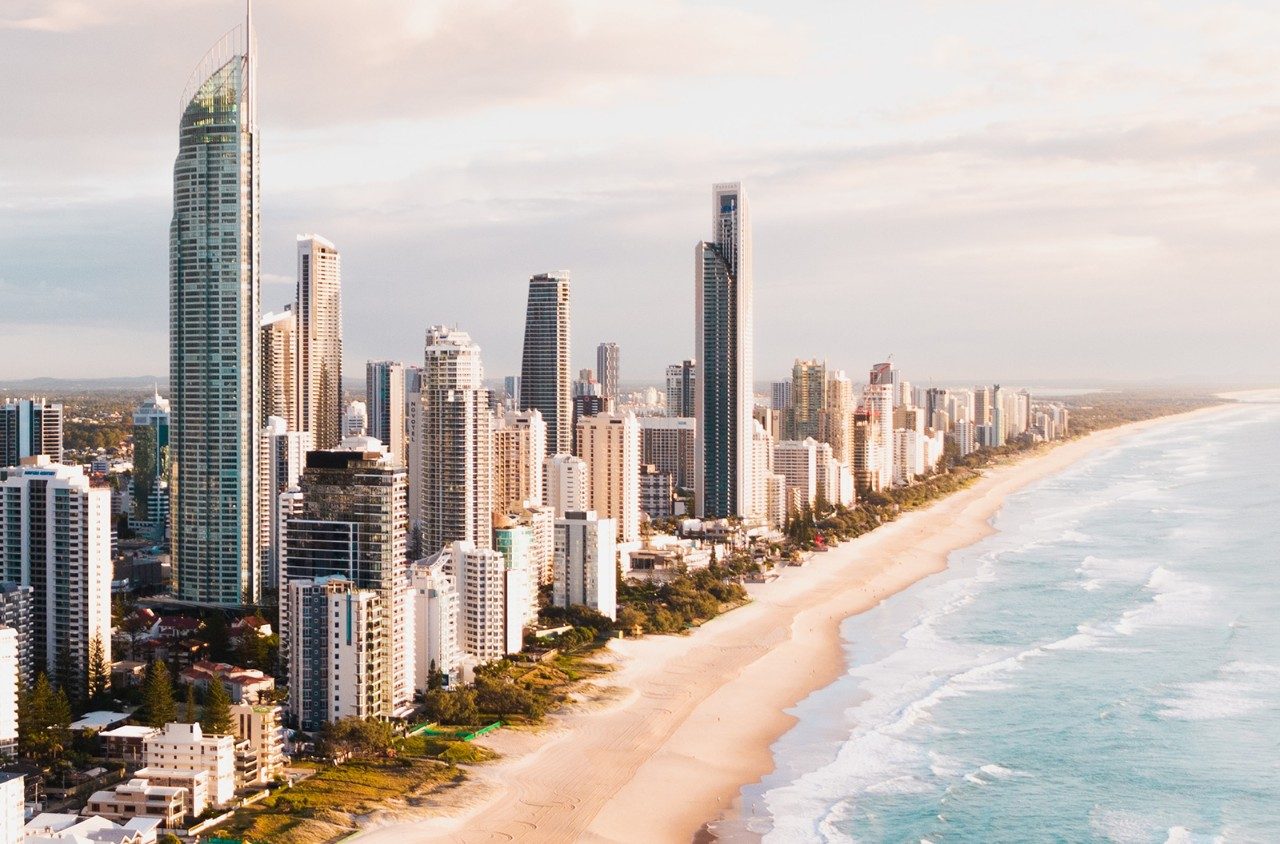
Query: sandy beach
{"x":696,"y":714}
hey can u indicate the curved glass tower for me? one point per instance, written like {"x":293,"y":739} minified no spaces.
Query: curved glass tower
{"x":214,"y":363}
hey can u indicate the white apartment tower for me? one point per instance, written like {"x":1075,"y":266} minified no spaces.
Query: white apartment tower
{"x":486,"y":618}
{"x":586,"y":563}
{"x":457,"y":443}
{"x":435,"y":620}
{"x":55,"y":537}
{"x":566,"y":483}
{"x":9,"y":672}
{"x":319,"y":298}
{"x":284,"y":455}
{"x":610,"y":445}
{"x":607,"y":360}
{"x":723,"y":348}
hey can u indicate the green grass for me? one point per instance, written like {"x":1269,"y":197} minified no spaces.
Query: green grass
{"x":320,"y":809}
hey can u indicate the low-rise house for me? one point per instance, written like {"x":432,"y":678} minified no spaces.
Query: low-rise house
{"x":100,"y":720}
{"x":174,"y":627}
{"x":56,"y":828}
{"x":195,"y":783}
{"x":126,"y":744}
{"x":139,"y":798}
{"x":244,"y":685}
{"x":255,"y":624}
{"x":128,"y":674}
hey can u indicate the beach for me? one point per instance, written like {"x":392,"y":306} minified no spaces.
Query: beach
{"x":694,"y":716}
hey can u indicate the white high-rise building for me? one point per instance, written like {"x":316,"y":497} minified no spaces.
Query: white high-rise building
{"x":762,"y":467}
{"x":55,"y":536}
{"x":215,"y":365}
{"x":682,"y":380}
{"x":284,"y":455}
{"x":280,"y":367}
{"x":9,"y":672}
{"x":13,"y":801}
{"x":385,"y":403}
{"x":797,"y":461}
{"x":607,"y":361}
{"x":565,"y":484}
{"x":878,"y":399}
{"x":519,"y":448}
{"x":488,"y":623}
{"x":355,"y":420}
{"x":435,"y":619}
{"x":723,"y":347}
{"x":669,"y":442}
{"x":586,"y":563}
{"x":457,"y":443}
{"x":319,"y":298}
{"x":610,"y":445}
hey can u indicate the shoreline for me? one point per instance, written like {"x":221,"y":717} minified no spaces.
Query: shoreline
{"x":697,"y":715}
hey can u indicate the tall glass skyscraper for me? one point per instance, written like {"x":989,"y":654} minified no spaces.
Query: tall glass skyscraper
{"x":544,"y":372}
{"x":724,"y":396}
{"x":214,"y":337}
{"x":319,"y":313}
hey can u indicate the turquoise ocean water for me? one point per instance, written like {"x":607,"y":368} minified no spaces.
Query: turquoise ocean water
{"x":1106,"y":667}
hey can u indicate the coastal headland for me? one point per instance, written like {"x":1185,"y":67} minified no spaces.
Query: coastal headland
{"x":691,"y":718}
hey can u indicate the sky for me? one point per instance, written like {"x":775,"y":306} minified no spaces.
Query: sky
{"x":1026,"y":190}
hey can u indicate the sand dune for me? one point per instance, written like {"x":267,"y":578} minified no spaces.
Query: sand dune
{"x":700,"y":712}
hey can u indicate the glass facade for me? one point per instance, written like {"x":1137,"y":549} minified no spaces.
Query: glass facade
{"x":214,"y":364}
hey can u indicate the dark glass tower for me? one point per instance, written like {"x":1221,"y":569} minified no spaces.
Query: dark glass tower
{"x":544,"y":372}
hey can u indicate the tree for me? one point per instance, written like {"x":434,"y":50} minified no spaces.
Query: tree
{"x":216,"y":636}
{"x":157,"y":695}
{"x":99,"y":673}
{"x":217,"y":708}
{"x":189,"y":714}
{"x":43,"y":720}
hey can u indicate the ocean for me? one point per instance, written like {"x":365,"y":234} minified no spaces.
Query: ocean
{"x":1105,"y":667}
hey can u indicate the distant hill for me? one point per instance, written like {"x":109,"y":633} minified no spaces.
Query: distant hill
{"x":83,"y":385}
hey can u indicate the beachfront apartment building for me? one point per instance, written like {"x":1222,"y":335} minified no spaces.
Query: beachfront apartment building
{"x":435,"y":619}
{"x":185,"y":747}
{"x":586,"y":563}
{"x":258,"y":729}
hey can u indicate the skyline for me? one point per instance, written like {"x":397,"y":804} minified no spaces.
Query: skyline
{"x":964,"y":163}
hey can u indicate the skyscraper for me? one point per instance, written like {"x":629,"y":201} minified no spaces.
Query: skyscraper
{"x":384,"y":399}
{"x":681,"y":383}
{"x":544,"y":371}
{"x":607,"y":359}
{"x":283,"y":456}
{"x":55,"y":536}
{"x":353,"y":523}
{"x":519,"y":447}
{"x":610,"y":445}
{"x":280,"y":367}
{"x":723,"y":347}
{"x":151,"y":463}
{"x":808,"y":399}
{"x":214,"y":356}
{"x":319,"y":339}
{"x":457,"y":445}
{"x":29,"y":427}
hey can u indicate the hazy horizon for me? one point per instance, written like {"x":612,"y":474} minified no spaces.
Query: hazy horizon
{"x":1064,"y":192}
